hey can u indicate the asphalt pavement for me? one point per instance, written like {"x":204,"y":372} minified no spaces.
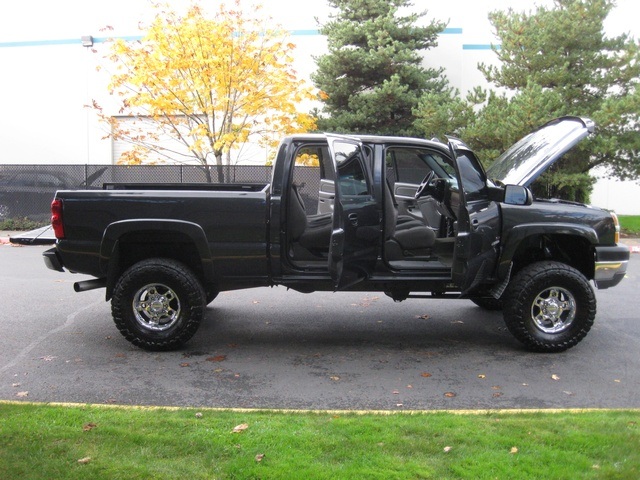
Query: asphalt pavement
{"x":273,"y":348}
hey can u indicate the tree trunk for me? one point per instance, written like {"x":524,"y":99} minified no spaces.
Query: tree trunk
{"x":219,"y":167}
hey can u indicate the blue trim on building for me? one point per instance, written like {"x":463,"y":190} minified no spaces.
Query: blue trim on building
{"x":474,"y":46}
{"x":133,"y":38}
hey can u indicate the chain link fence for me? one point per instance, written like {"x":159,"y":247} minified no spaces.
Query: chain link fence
{"x":26,"y":191}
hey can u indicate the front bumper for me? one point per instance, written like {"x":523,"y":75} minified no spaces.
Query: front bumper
{"x":610,"y":266}
{"x":52,"y":260}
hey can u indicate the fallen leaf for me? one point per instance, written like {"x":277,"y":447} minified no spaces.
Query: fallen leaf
{"x":15,"y":384}
{"x":240,"y":428}
{"x":423,"y":317}
{"x":185,"y":364}
{"x":617,"y":380}
{"x":450,"y":394}
{"x":22,"y":394}
{"x":497,"y":395}
{"x":425,"y":374}
{"x":457,"y":321}
{"x":396,"y":392}
{"x":198,"y":414}
{"x":217,"y":358}
{"x":335,"y":378}
{"x":496,"y":387}
{"x":555,"y":377}
{"x":482,"y":375}
{"x":48,"y":358}
{"x":513,"y":450}
{"x":89,"y":426}
{"x":84,"y":461}
{"x":447,"y":449}
{"x":259,"y":457}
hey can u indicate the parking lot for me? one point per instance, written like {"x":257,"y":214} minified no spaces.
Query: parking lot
{"x":273,"y":348}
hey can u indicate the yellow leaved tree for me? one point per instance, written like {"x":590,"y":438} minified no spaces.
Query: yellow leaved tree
{"x":210,"y":84}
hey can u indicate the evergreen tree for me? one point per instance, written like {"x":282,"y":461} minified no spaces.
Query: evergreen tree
{"x":372,"y":77}
{"x":557,"y":61}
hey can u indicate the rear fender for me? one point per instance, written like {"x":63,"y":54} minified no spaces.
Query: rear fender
{"x":110,"y":251}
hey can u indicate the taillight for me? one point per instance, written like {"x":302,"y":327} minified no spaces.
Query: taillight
{"x":56,"y":219}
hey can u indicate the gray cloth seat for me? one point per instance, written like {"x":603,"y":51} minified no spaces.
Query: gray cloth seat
{"x":408,"y":233}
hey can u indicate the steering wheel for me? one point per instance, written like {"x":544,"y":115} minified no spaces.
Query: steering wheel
{"x":424,"y":184}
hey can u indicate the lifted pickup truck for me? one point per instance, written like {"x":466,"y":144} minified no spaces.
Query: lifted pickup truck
{"x":408,"y":217}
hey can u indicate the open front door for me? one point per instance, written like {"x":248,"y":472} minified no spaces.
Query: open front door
{"x":355,"y":238}
{"x":477,"y":239}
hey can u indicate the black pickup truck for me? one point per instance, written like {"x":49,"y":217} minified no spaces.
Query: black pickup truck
{"x":408,"y":217}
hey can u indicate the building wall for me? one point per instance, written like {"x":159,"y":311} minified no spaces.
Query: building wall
{"x":48,"y":76}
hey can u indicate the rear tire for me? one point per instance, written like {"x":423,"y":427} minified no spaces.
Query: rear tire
{"x":158,"y":304}
{"x":549,"y":306}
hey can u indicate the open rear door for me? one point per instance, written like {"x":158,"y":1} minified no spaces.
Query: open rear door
{"x":355,"y":238}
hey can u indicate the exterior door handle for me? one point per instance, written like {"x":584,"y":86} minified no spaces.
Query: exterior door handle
{"x":353,"y":219}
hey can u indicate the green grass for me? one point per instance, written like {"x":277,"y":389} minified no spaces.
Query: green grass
{"x":630,"y":224}
{"x":44,"y":441}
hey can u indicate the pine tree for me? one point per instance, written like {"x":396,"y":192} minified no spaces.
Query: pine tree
{"x":372,"y":77}
{"x":558,"y":61}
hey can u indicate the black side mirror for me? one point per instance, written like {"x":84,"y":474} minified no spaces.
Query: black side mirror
{"x":517,"y":195}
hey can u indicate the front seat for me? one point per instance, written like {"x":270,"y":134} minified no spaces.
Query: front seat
{"x":404,"y":237}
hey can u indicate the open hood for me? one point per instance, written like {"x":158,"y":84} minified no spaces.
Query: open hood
{"x":527,"y":159}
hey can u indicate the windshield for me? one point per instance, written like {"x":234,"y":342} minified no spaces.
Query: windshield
{"x":527,"y":159}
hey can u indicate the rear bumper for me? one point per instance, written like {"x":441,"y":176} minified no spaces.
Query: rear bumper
{"x":610,"y":266}
{"x":52,"y":260}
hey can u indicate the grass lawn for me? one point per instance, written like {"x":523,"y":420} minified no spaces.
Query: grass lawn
{"x":70,"y":442}
{"x":630,"y":224}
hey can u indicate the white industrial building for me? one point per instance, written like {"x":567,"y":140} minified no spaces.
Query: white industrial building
{"x":49,"y":70}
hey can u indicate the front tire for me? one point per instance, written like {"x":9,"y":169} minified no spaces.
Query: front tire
{"x":158,"y":304}
{"x":549,"y":306}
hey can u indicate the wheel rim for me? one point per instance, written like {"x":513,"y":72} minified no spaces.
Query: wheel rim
{"x":553,"y":310}
{"x":156,"y":307}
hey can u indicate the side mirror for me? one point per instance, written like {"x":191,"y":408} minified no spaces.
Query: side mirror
{"x":517,"y":195}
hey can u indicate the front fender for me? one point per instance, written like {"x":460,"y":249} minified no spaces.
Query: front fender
{"x":513,"y":238}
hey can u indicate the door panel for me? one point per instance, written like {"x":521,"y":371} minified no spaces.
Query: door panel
{"x":355,"y":238}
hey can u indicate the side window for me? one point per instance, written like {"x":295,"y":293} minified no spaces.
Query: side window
{"x":473,"y":181}
{"x":406,"y":165}
{"x":352,"y":179}
{"x":411,"y":165}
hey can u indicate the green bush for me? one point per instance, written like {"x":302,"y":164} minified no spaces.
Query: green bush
{"x":21,"y":224}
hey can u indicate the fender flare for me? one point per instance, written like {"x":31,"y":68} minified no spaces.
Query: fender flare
{"x":516,"y":235}
{"x":114,"y":232}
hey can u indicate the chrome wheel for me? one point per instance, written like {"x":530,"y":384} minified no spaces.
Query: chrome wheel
{"x":553,"y":310}
{"x":156,"y":307}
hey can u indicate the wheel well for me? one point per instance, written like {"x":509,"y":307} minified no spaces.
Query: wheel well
{"x":569,"y":249}
{"x":137,"y":246}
